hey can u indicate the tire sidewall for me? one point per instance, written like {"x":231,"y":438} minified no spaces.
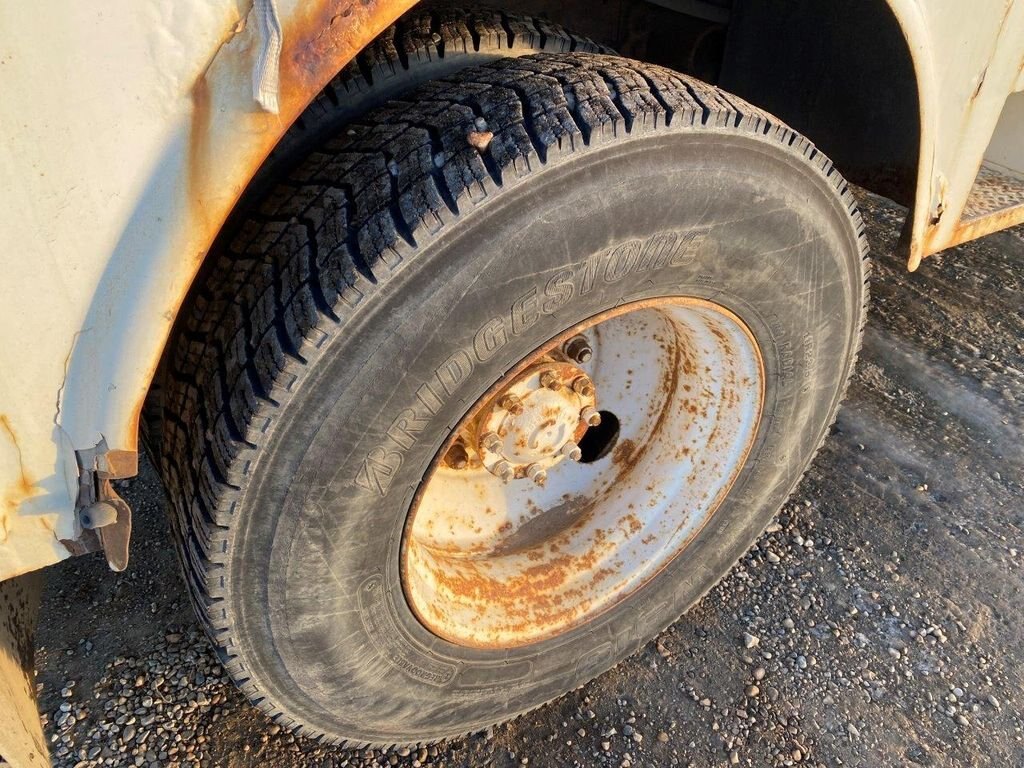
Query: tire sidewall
{"x":728,"y":218}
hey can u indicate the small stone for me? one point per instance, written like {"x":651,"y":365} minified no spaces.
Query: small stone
{"x":852,"y":730}
{"x":734,"y":758}
{"x":750,"y":641}
{"x":797,"y":755}
{"x":759,"y":673}
{"x":479,"y":140}
{"x":662,"y":737}
{"x":963,"y":721}
{"x":753,"y":691}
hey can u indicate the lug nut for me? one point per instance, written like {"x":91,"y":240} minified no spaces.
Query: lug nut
{"x":536,"y":473}
{"x":572,"y":451}
{"x":512,"y":404}
{"x":578,"y":349}
{"x":457,"y":456}
{"x":590,"y":416}
{"x":491,"y":442}
{"x":504,"y":470}
{"x":550,"y":380}
{"x":583,"y":386}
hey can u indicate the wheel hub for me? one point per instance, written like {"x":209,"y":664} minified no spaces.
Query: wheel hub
{"x":535,"y":422}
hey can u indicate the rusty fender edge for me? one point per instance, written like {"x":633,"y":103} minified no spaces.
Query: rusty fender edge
{"x":218,"y":150}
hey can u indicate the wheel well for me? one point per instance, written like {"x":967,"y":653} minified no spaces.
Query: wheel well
{"x":841,"y":74}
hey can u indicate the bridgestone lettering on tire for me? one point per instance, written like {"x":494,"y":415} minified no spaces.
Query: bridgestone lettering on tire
{"x":416,"y":257}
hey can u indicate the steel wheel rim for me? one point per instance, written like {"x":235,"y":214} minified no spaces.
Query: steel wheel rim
{"x":493,"y":562}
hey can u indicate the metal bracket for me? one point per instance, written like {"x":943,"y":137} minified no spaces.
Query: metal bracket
{"x":104,"y":518}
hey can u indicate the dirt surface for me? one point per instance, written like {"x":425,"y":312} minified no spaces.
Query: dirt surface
{"x":876,"y":623}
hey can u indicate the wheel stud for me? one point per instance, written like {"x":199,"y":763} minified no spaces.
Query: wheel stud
{"x":572,"y":451}
{"x":583,"y":386}
{"x":512,"y":404}
{"x":591,"y":417}
{"x":457,"y":456}
{"x":578,"y":349}
{"x":504,"y":470}
{"x":491,"y":442}
{"x":536,"y":473}
{"x":550,"y":380}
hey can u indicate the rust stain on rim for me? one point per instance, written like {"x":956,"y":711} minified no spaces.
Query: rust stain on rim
{"x":547,"y":585}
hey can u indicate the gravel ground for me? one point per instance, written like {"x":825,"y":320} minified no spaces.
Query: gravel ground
{"x":875,"y":623}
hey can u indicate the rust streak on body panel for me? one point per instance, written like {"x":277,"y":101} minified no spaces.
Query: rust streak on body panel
{"x":319,"y":39}
{"x":23,"y":488}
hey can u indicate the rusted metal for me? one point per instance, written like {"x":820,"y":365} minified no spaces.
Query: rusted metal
{"x":487,"y":564}
{"x":995,"y":203}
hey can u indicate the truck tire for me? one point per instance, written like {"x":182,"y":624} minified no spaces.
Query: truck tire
{"x":428,"y":42}
{"x":499,"y":382}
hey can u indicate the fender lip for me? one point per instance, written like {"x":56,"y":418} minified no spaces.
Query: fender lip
{"x":204,"y":151}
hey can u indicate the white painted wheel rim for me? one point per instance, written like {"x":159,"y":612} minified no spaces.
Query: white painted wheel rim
{"x":493,"y":564}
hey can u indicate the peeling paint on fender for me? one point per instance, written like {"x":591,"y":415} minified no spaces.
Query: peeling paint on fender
{"x":118,"y":211}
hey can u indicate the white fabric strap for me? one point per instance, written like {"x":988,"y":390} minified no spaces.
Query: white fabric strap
{"x":265,"y":82}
